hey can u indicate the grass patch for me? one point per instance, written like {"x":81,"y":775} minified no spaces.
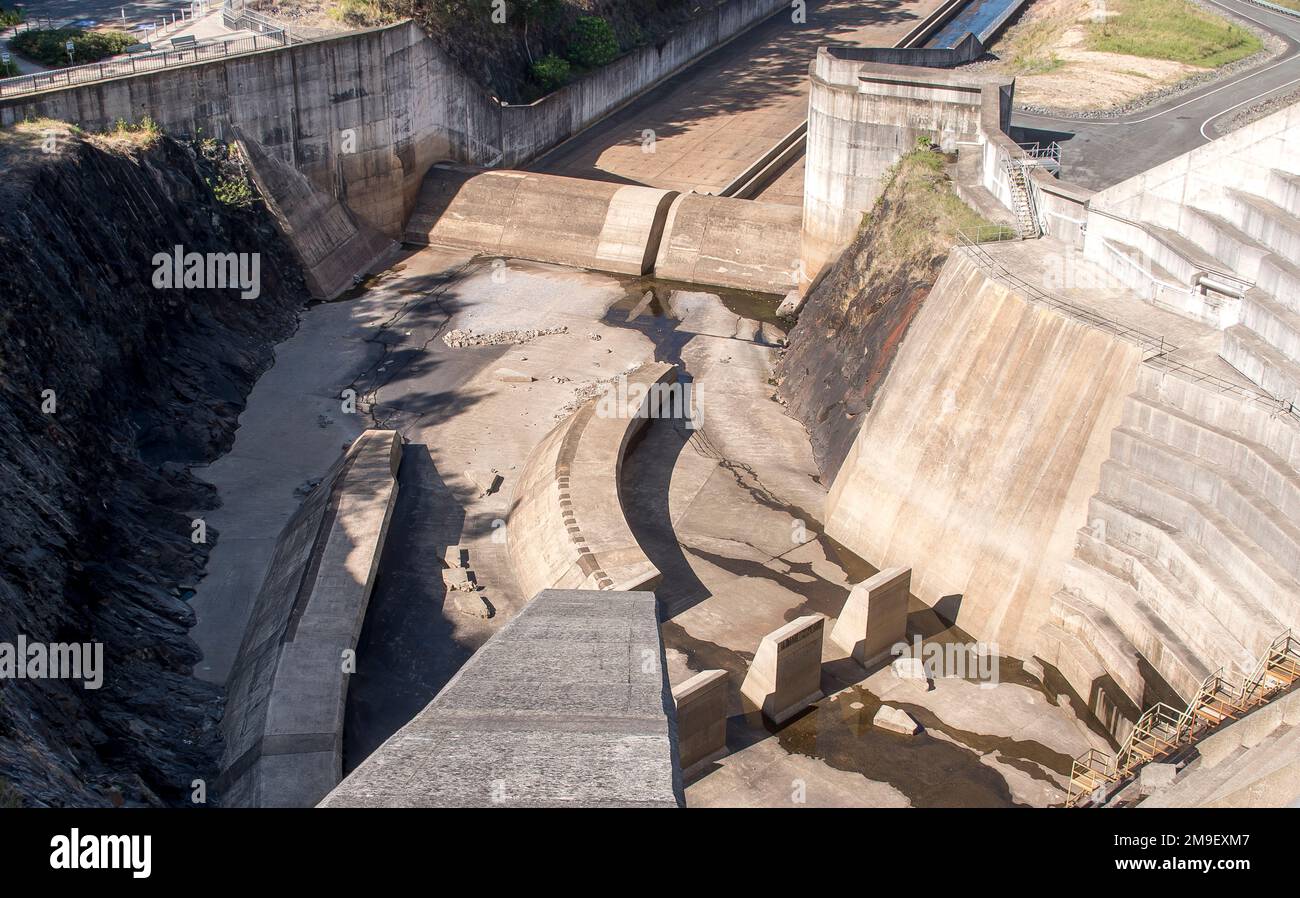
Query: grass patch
{"x":361,"y":13}
{"x":1031,"y":48}
{"x":1173,"y":30}
{"x":916,"y":220}
{"x":143,"y":134}
{"x":46,"y":45}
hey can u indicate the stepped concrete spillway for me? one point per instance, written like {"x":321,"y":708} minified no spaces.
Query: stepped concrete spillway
{"x":283,"y":724}
{"x":567,"y":529}
{"x":567,"y":705}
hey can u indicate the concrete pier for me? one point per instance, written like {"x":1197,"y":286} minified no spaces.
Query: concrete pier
{"x":874,"y":617}
{"x":785,"y":677}
{"x":701,"y":719}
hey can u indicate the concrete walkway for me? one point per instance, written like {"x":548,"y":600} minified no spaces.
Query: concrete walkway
{"x":711,"y":121}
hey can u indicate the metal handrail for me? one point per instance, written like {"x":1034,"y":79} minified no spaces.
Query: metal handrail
{"x":142,"y":62}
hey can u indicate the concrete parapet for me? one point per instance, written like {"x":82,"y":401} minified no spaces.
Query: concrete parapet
{"x":785,"y":676}
{"x":726,"y":242}
{"x":701,"y":719}
{"x":874,"y":617}
{"x":547,"y":218}
{"x":567,"y":705}
{"x":863,"y":114}
{"x":283,"y":723}
{"x":566,"y":528}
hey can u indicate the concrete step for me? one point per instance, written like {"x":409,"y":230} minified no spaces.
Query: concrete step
{"x":1284,"y":188}
{"x":1273,"y":321}
{"x":1260,"y":361}
{"x":1192,"y":567}
{"x":1281,"y":278}
{"x":1103,"y":638}
{"x":1082,"y":669}
{"x":1170,"y":603}
{"x":1179,"y":254}
{"x":1265,"y":221}
{"x":1230,"y":412}
{"x":1244,"y":560}
{"x":1257,"y":464}
{"x":1147,"y":276}
{"x":1217,"y":487}
{"x":1108,"y":601}
{"x":1232,"y":248}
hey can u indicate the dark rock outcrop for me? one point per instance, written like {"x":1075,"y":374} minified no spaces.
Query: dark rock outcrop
{"x":95,"y":526}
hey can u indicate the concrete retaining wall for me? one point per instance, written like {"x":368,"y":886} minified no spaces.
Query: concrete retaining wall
{"x":547,"y":218}
{"x":362,"y":116}
{"x":283,"y":723}
{"x":567,"y":705}
{"x":566,"y":528}
{"x":977,"y":459}
{"x":726,"y":242}
{"x":863,"y":116}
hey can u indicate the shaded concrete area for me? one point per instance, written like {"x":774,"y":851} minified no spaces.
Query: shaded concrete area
{"x":730,"y":514}
{"x":710,"y":122}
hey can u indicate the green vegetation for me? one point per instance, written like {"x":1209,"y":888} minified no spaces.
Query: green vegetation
{"x":916,"y":220}
{"x":551,"y":72}
{"x":593,"y":43}
{"x":1031,"y":48}
{"x":8,"y":69}
{"x":143,"y":133}
{"x":1174,"y":30}
{"x":10,"y":17}
{"x":46,"y":45}
{"x":361,"y":13}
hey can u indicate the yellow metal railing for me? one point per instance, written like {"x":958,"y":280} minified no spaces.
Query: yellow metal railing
{"x":1162,"y":730}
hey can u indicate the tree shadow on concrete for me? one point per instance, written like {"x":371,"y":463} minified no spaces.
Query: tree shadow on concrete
{"x":756,"y":70}
{"x":407,"y":650}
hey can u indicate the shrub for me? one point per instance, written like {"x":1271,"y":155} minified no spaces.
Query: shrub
{"x":46,"y":45}
{"x":593,"y":43}
{"x":551,"y":71}
{"x":10,"y":17}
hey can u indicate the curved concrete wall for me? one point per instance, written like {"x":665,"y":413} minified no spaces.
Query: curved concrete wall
{"x":566,"y":528}
{"x":283,"y":724}
{"x":547,"y":218}
{"x":978,"y":458}
{"x":728,"y":242}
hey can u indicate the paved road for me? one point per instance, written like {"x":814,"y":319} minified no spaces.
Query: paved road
{"x":714,"y":119}
{"x":1097,"y":154}
{"x":103,"y":12}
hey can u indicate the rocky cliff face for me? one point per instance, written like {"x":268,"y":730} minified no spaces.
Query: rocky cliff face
{"x":854,"y":319}
{"x":109,"y":388}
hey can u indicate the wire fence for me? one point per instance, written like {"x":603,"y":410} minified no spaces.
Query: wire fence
{"x":141,"y":62}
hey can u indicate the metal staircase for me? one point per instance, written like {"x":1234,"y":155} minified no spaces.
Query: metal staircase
{"x":1022,"y":198}
{"x":1162,"y":731}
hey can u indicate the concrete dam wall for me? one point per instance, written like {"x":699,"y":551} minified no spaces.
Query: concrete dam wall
{"x":975,"y":464}
{"x":342,"y":130}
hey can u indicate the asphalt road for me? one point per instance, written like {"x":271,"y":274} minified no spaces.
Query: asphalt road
{"x":1097,"y":154}
{"x":102,"y":12}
